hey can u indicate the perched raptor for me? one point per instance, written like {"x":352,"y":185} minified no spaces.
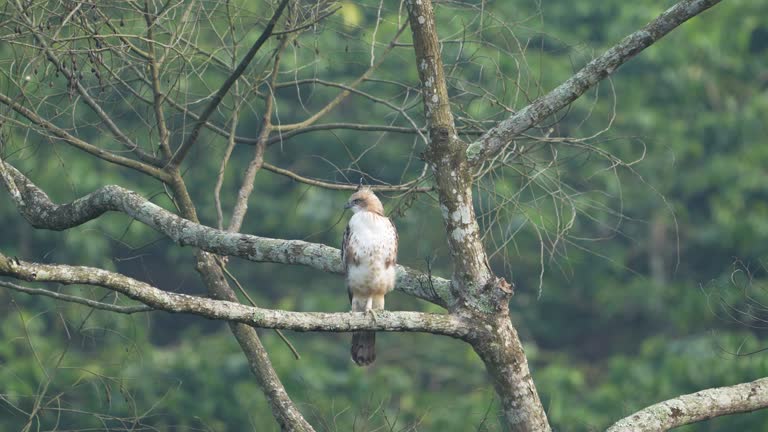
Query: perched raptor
{"x":369,"y":254}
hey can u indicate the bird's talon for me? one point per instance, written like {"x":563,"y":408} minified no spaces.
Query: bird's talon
{"x":373,"y":315}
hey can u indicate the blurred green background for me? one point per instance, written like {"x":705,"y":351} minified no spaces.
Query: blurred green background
{"x":635,"y":282}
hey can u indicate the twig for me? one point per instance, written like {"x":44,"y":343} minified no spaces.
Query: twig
{"x":341,"y":96}
{"x":595,"y":71}
{"x":253,"y":303}
{"x":410,"y":186}
{"x":75,"y":299}
{"x":181,"y":153}
{"x":82,"y":145}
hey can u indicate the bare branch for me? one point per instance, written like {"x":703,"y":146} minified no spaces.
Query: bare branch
{"x":41,"y":212}
{"x":310,"y":23}
{"x":74,"y":299}
{"x":595,"y":71}
{"x":352,"y":89}
{"x":448,"y":325}
{"x":223,"y":166}
{"x":82,"y":145}
{"x":343,"y":95}
{"x":284,"y":136}
{"x":696,"y":407}
{"x":246,"y":186}
{"x":410,"y":186}
{"x":75,"y":83}
{"x":181,"y":153}
{"x":157,"y":94}
{"x":333,"y":126}
{"x":283,"y":409}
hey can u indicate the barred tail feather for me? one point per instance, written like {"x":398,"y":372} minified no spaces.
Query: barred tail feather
{"x":363,"y":347}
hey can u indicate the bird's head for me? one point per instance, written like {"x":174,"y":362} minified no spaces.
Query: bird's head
{"x":364,"y":200}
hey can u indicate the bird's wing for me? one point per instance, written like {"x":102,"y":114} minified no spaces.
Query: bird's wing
{"x":345,"y":248}
{"x":391,"y":258}
{"x":347,"y":254}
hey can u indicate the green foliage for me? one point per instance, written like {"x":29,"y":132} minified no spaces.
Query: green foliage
{"x":640,"y":299}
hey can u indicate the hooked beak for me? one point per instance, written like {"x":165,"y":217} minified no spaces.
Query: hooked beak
{"x":348,"y":205}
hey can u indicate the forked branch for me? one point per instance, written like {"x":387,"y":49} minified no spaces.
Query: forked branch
{"x":181,"y":153}
{"x":37,"y":208}
{"x":595,"y":71}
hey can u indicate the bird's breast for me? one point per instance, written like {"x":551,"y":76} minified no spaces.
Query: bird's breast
{"x":370,"y":278}
{"x":373,"y":241}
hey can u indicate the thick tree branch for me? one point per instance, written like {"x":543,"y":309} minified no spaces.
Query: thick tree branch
{"x":283,"y":409}
{"x":696,"y":407}
{"x":448,"y":325}
{"x":445,"y":154}
{"x":181,"y":153}
{"x":41,"y":212}
{"x":497,"y":138}
{"x":478,"y":291}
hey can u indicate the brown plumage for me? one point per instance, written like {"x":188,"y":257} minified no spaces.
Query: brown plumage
{"x":369,"y":254}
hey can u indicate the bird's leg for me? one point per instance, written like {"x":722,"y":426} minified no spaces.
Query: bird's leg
{"x":369,"y":309}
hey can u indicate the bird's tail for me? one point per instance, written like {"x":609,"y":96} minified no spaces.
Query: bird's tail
{"x":364,"y":343}
{"x":364,"y":347}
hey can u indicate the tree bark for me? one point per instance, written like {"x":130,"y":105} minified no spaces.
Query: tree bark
{"x":226,"y":306}
{"x":283,"y":409}
{"x":38,"y":209}
{"x":478,"y":293}
{"x":696,"y":407}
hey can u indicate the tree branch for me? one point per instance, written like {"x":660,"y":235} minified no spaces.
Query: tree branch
{"x":343,"y":95}
{"x":351,"y":89}
{"x":181,"y":153}
{"x":479,"y":291}
{"x":445,"y":154}
{"x":284,"y":136}
{"x":246,"y":186}
{"x":72,"y":140}
{"x":157,"y":93}
{"x":35,"y":206}
{"x":409,"y":186}
{"x":75,"y":83}
{"x":696,"y":407}
{"x":448,"y":325}
{"x":595,"y":71}
{"x":333,"y":126}
{"x":74,"y":299}
{"x":283,"y":409}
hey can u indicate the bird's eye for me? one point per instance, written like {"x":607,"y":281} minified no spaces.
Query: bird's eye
{"x":356,"y":201}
